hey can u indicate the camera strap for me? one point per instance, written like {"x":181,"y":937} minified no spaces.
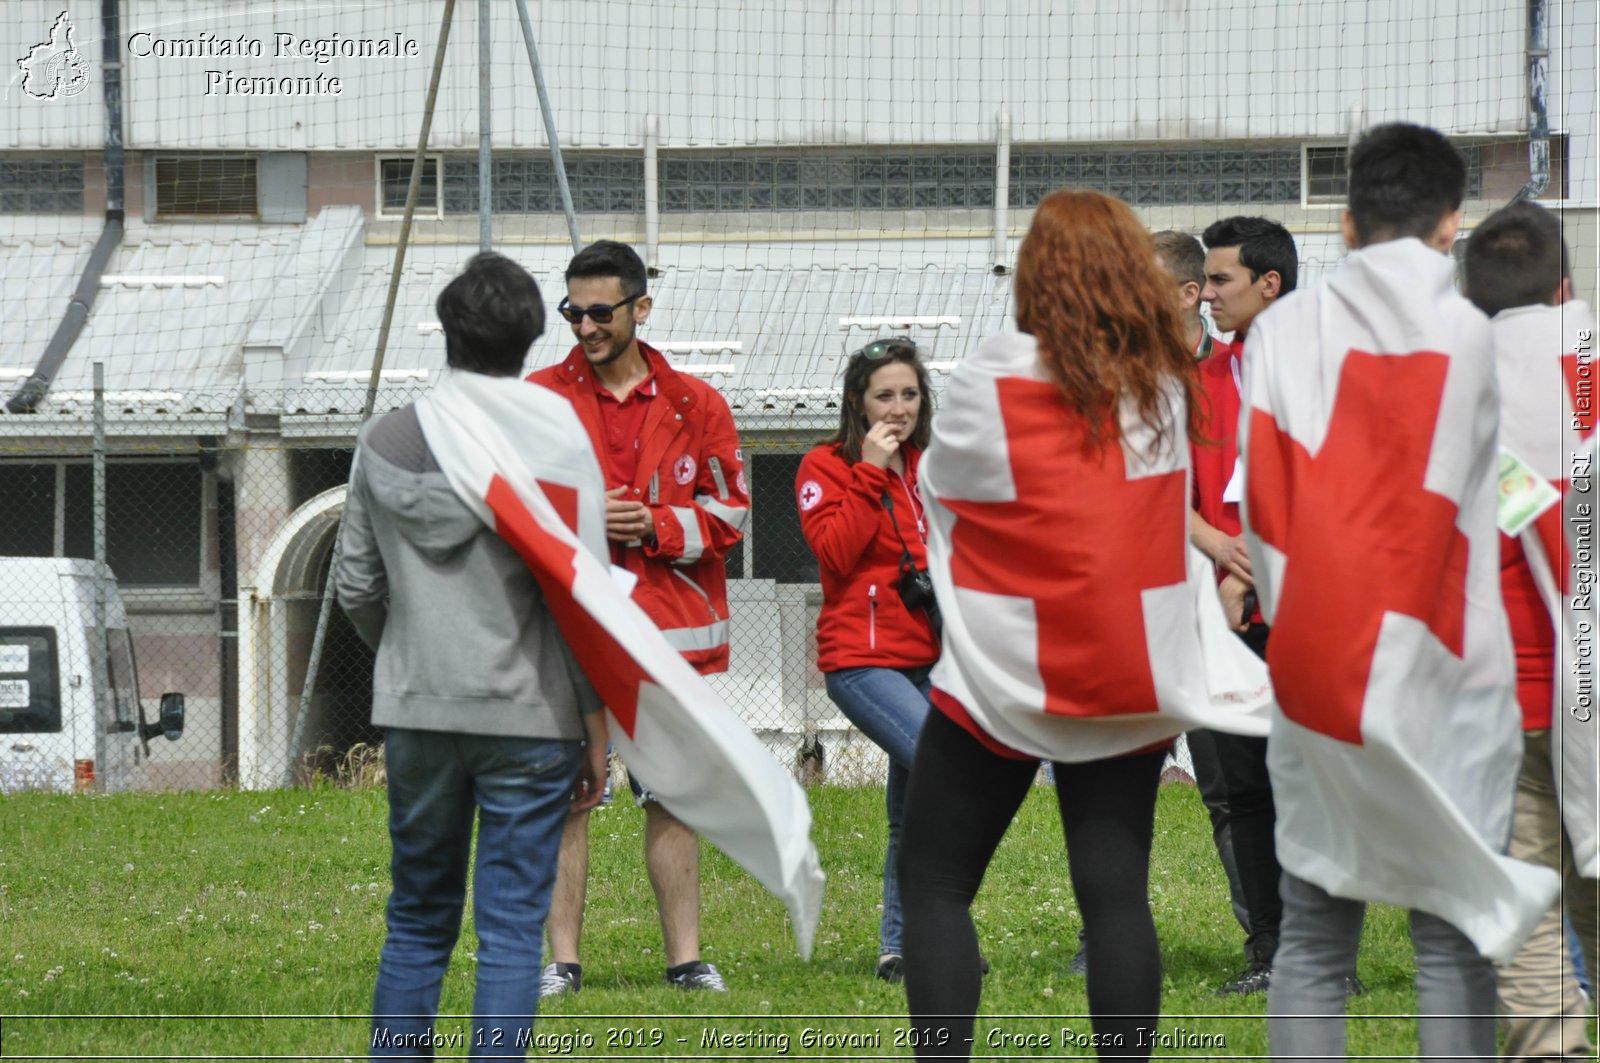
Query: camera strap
{"x":907,"y":563}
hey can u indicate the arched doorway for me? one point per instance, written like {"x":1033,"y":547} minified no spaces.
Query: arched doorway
{"x":278,"y":622}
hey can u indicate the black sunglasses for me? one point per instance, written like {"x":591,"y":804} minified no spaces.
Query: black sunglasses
{"x":879,"y":349}
{"x":599,"y":313}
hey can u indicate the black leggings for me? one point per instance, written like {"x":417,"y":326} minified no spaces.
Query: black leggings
{"x":962,"y":799}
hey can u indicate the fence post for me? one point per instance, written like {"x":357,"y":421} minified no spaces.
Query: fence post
{"x":101,"y":685}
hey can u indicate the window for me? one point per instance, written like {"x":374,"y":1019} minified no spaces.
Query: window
{"x":30,"y":688}
{"x":780,"y":549}
{"x":189,"y":185}
{"x":121,"y":677}
{"x":1325,"y":173}
{"x":394,"y":181}
{"x":41,"y":186}
{"x":153,"y":517}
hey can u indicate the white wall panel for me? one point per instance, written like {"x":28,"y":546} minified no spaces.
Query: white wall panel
{"x":724,"y":72}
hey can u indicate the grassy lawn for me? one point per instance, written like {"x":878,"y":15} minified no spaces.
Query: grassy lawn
{"x":248,"y":924}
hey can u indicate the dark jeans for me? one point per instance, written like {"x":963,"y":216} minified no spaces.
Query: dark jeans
{"x":888,"y":705}
{"x":518,"y":788}
{"x":1231,"y":773}
{"x":962,"y":799}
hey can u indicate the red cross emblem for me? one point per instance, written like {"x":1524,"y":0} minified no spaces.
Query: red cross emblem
{"x":1362,"y":534}
{"x":1081,"y":541}
{"x":810,"y":495}
{"x":683,"y":469}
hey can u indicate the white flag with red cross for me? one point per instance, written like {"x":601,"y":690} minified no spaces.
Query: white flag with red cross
{"x":1078,"y":621}
{"x":1544,"y":360}
{"x":518,"y":456}
{"x":1369,"y":443}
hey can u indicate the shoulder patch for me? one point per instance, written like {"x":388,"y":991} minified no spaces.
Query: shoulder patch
{"x":810,"y":494}
{"x":683,"y":469}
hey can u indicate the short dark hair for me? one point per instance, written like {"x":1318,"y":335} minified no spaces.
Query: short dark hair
{"x":1515,"y":257}
{"x":1403,"y":180}
{"x":1264,"y":247}
{"x":610,"y":258}
{"x":491,"y":315}
{"x":1183,"y":256}
{"x":858,"y":375}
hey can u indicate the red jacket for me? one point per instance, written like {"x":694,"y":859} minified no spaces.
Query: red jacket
{"x":863,"y":621}
{"x":1219,"y":422}
{"x":691,"y":475}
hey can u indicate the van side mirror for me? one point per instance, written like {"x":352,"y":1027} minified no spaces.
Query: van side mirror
{"x":171,"y":722}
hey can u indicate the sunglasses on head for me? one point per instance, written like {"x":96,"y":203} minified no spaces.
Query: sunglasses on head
{"x":879,"y":349}
{"x":599,"y":313}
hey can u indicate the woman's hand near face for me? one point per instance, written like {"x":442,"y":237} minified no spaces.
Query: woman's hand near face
{"x":880,"y":445}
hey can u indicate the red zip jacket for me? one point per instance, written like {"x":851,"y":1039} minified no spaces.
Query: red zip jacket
{"x":691,"y":475}
{"x":863,"y":621}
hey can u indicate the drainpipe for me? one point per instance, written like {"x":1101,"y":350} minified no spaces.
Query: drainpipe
{"x":652,"y":194}
{"x":1538,"y":112}
{"x":1002,"y":187}
{"x":32,"y":391}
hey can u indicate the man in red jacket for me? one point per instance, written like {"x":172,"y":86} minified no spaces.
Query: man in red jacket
{"x":677,"y":503}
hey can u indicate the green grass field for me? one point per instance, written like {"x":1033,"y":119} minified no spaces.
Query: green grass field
{"x":248,"y":924}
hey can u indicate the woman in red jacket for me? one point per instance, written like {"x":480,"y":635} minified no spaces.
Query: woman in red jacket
{"x":862,"y":517}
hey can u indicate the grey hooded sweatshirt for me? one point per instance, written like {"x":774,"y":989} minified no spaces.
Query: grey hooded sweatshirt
{"x":464,"y":638}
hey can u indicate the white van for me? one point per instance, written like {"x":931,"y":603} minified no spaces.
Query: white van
{"x":57,"y":732}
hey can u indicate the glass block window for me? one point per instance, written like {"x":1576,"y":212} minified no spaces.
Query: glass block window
{"x":826,"y":181}
{"x":41,"y":186}
{"x":394,"y":181}
{"x":206,"y":185}
{"x":600,"y":184}
{"x":1148,"y":177}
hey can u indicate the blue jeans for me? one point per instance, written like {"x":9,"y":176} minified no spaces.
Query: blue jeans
{"x":889,"y":706}
{"x":519,"y":789}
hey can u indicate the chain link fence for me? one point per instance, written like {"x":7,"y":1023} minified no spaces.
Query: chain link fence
{"x":219,"y":536}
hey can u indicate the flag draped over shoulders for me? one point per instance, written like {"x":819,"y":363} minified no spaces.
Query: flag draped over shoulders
{"x":1078,"y":622}
{"x":1369,"y":441}
{"x":518,"y":456}
{"x":1543,"y":358}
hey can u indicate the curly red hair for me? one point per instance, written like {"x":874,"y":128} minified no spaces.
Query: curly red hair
{"x":1102,"y":311}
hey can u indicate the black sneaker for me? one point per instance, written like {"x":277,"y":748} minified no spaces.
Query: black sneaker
{"x":891,"y":969}
{"x":700,"y":976}
{"x":560,"y":979}
{"x":1080,"y":959}
{"x":1255,"y":979}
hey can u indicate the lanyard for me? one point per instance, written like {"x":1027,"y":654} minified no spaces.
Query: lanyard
{"x":916,"y":510}
{"x":1238,"y":385}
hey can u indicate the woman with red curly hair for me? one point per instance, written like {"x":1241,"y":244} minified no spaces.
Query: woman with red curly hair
{"x":1056,"y":492}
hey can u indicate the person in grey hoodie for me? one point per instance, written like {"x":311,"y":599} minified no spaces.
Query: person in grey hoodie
{"x":484,"y":710}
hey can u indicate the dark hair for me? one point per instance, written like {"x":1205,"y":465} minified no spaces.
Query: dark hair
{"x":857,"y":376}
{"x":1101,"y":310}
{"x":491,"y":314}
{"x":610,"y":258}
{"x":1264,"y":247}
{"x":1183,"y":256}
{"x":1403,"y":180}
{"x":1515,"y":257}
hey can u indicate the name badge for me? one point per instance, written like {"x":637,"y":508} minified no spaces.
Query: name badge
{"x":1524,"y":494}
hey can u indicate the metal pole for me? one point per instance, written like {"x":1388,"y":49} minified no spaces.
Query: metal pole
{"x":303,"y":713}
{"x":417,"y":161}
{"x":485,"y":151}
{"x":549,"y":126}
{"x":1538,"y":110}
{"x":102,"y":685}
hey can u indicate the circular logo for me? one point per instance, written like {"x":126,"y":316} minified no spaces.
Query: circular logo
{"x":68,"y":72}
{"x":740,"y":482}
{"x":683,"y":469}
{"x":810,"y":495}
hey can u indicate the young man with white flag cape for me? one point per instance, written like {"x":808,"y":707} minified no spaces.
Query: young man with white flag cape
{"x":1369,"y":443}
{"x":453,"y":503}
{"x":1515,"y":270}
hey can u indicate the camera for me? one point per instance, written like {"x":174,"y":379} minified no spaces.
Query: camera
{"x":916,"y":590}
